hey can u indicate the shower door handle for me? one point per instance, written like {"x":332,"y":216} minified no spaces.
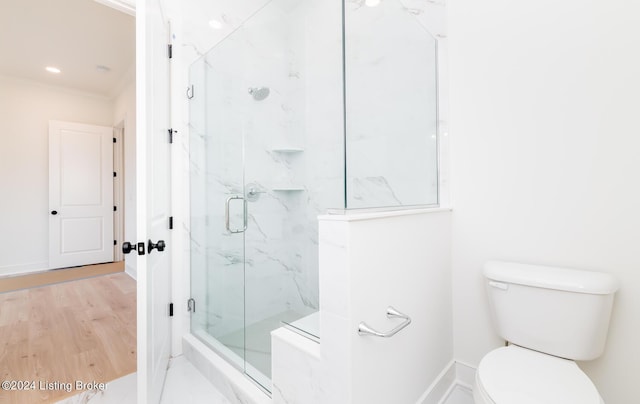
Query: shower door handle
{"x":227,"y":219}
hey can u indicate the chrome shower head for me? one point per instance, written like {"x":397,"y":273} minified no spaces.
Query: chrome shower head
{"x":259,"y":93}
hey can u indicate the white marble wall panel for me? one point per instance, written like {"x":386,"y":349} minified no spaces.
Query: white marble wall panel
{"x":391,"y":105}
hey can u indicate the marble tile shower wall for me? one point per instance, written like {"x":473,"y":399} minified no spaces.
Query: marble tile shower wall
{"x":391,"y":104}
{"x":294,"y":48}
{"x":292,"y":152}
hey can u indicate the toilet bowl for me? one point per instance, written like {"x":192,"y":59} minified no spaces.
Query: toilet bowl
{"x":515,"y":375}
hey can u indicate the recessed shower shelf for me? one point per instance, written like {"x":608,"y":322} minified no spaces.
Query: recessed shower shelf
{"x":287,"y":150}
{"x":287,"y":189}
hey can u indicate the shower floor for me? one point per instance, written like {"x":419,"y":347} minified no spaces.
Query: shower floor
{"x":254,"y":342}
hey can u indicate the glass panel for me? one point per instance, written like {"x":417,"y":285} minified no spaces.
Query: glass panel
{"x":217,"y":255}
{"x":292,"y":61}
{"x":270,"y":128}
{"x":391,"y":109}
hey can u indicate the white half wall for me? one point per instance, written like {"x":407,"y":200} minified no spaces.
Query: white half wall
{"x":25,"y":110}
{"x":545,"y":169}
{"x":368,"y":262}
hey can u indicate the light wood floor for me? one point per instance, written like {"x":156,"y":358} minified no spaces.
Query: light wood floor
{"x":81,"y":330}
{"x":15,"y":282}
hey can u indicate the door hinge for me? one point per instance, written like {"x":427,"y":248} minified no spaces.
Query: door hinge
{"x":170,"y":222}
{"x":171,"y":133}
{"x":115,"y":208}
{"x":191,"y":305}
{"x":114,"y":174}
{"x":170,"y":49}
{"x":114,"y":140}
{"x":190,"y":92}
{"x":170,"y":309}
{"x":115,"y":242}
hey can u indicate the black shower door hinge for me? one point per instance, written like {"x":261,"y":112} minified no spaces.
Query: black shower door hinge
{"x":170,"y":50}
{"x":170,"y":309}
{"x":170,"y":222}
{"x":171,"y":133}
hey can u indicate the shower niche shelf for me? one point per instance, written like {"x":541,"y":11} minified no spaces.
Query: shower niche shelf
{"x":287,"y":149}
{"x":286,"y":188}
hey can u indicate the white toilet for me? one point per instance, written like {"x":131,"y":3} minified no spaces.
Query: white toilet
{"x":550,"y":317}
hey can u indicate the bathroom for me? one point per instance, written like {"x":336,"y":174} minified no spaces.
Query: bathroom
{"x":533,"y":160}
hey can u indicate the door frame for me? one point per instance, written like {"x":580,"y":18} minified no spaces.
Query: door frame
{"x":118,"y":190}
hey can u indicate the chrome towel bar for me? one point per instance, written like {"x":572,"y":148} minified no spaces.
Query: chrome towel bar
{"x":364,"y":329}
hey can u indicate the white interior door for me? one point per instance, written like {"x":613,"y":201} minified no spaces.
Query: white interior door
{"x":80,"y":194}
{"x":154,"y":200}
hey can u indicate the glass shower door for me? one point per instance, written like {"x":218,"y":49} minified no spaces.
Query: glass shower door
{"x":217,"y":212}
{"x":266,"y":145}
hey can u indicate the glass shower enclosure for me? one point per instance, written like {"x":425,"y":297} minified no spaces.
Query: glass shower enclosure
{"x":266,"y":145}
{"x":299,"y":110}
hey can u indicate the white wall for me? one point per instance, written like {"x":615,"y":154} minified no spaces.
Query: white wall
{"x":25,"y":110}
{"x":545,"y":168}
{"x":124,"y":110}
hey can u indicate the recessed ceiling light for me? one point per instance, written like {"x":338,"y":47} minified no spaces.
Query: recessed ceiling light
{"x":215,"y":24}
{"x":52,"y":69}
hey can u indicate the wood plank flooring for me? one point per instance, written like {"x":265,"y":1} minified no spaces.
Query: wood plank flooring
{"x":49,"y":277}
{"x":83,"y":330}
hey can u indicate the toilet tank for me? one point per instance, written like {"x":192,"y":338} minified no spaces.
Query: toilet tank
{"x":559,"y":311}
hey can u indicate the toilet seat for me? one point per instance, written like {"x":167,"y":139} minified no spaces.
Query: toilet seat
{"x":515,"y":375}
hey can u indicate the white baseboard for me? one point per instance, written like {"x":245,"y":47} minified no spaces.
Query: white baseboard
{"x":131,"y":271}
{"x":465,"y":374}
{"x":22,"y":269}
{"x":455,"y":373}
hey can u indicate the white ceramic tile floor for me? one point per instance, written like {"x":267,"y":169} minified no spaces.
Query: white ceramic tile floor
{"x":185,"y":384}
{"x":119,"y":391}
{"x":459,"y":395}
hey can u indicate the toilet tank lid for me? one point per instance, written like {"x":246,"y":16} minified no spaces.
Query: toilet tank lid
{"x":571,"y":280}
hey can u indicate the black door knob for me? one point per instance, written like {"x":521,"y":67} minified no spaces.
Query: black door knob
{"x":54,"y":212}
{"x":127,"y":247}
{"x":160,"y":245}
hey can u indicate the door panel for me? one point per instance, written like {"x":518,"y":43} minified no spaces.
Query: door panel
{"x":80,"y":194}
{"x":154,"y":202}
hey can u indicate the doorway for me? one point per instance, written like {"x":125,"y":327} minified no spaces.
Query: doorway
{"x":90,"y":80}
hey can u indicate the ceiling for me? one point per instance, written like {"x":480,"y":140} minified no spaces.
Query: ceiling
{"x":75,"y":36}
